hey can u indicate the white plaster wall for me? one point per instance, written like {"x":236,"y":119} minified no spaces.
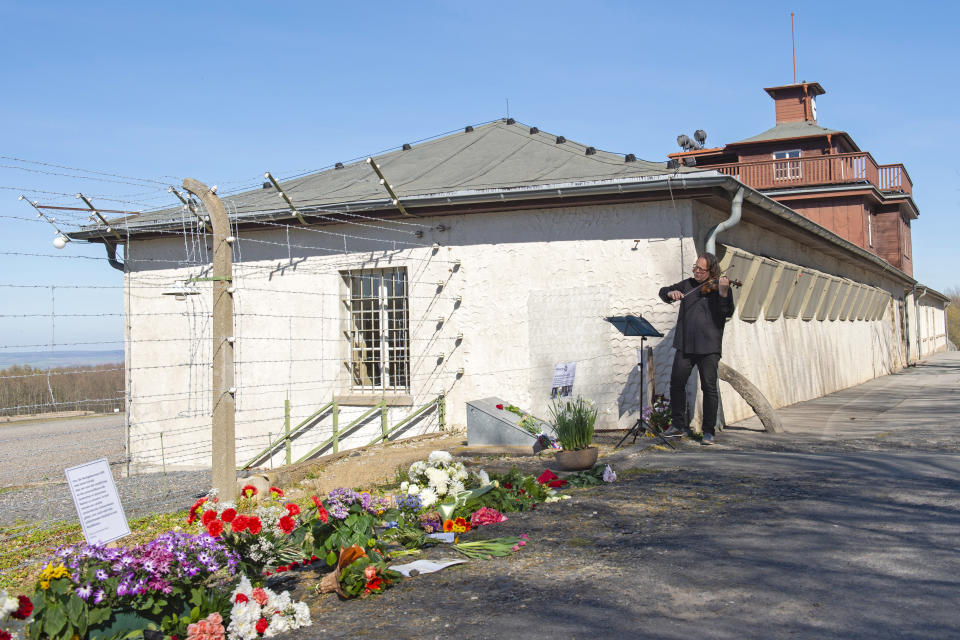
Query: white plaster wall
{"x":526,"y":289}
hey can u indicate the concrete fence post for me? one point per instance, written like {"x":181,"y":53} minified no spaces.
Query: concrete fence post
{"x":224,"y":456}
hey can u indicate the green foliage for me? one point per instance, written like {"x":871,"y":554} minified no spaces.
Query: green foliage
{"x":516,"y":492}
{"x":953,"y":321}
{"x":205,"y":602}
{"x":590,"y":478}
{"x":356,"y":529}
{"x":574,"y":420}
{"x":366,"y":576}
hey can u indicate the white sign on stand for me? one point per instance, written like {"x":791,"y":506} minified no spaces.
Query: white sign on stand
{"x":563,"y":375}
{"x":98,"y":504}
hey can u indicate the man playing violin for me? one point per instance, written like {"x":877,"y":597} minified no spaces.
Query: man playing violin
{"x":705,"y":305}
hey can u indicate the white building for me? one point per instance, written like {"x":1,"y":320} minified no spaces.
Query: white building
{"x":514,"y":247}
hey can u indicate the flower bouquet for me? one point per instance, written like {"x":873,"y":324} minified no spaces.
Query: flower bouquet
{"x":15,"y":614}
{"x":357,"y":575}
{"x":436,"y":477}
{"x":260,"y":612}
{"x":262,"y":535}
{"x":92,"y":587}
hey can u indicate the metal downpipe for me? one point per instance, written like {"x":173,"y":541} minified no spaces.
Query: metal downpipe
{"x":736,"y":208}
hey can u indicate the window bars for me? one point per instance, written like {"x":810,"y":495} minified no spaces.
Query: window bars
{"x":379,"y":329}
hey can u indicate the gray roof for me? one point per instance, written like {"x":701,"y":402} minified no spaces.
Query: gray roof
{"x":802,"y":129}
{"x":499,"y":156}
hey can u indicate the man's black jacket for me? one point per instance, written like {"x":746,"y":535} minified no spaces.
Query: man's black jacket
{"x":701,"y":318}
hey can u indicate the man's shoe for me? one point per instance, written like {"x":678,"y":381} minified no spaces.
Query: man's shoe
{"x":707,"y":440}
{"x":673,"y":432}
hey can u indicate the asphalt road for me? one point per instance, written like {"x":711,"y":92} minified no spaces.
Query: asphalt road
{"x":845,"y":526}
{"x":39,"y":450}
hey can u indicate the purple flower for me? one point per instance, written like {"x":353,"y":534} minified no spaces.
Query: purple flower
{"x":191,"y":571}
{"x":102,"y":575}
{"x":84,"y":592}
{"x":99,"y":596}
{"x":122,"y":589}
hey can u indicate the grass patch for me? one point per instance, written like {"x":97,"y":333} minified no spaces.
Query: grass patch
{"x":580,"y":542}
{"x":638,"y":471}
{"x":23,"y":551}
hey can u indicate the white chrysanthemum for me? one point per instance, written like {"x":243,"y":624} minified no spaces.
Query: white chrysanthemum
{"x":484,"y":477}
{"x":437,"y":476}
{"x":456,"y":487}
{"x":428,"y":497}
{"x":7,"y":605}
{"x":413,"y":490}
{"x":404,"y":485}
{"x":278,"y":624}
{"x":301,"y":614}
{"x":440,"y":457}
{"x":417,"y":468}
{"x":440,"y":488}
{"x":243,"y":629}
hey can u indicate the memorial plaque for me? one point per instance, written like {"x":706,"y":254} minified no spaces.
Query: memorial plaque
{"x":563,"y":376}
{"x":98,"y":504}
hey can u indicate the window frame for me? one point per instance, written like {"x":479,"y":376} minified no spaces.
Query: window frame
{"x":786,"y":165}
{"x":378,"y":330}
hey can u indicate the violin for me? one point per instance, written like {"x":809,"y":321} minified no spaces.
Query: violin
{"x":713,"y":284}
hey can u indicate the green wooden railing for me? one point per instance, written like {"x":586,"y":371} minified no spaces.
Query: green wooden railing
{"x":333,"y":441}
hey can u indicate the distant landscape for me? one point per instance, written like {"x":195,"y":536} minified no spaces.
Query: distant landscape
{"x":48,"y":359}
{"x":33,"y":383}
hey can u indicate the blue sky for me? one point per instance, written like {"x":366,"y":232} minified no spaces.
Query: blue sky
{"x":223,"y":91}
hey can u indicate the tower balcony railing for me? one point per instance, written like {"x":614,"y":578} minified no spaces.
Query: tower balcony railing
{"x":844,"y":168}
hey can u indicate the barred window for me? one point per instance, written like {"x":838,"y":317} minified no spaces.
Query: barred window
{"x":379,"y":329}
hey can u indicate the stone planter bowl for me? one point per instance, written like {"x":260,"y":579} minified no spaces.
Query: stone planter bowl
{"x":579,"y":460}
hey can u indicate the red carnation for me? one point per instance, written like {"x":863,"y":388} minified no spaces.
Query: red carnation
{"x":281,"y":569}
{"x":195,"y":510}
{"x":228,"y":515}
{"x":287,"y":524}
{"x":248,"y":491}
{"x":215,"y":528}
{"x":254,"y":525}
{"x":24,"y":610}
{"x":208,"y":517}
{"x":321,"y":512}
{"x":499,"y":406}
{"x":293,"y":509}
{"x":294,"y":564}
{"x":262,"y":625}
{"x":5,"y":635}
{"x":276,"y":493}
{"x":240,"y":523}
{"x":241,"y":599}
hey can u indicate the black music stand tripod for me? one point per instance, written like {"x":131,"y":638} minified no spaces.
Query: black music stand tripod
{"x":638,"y":326}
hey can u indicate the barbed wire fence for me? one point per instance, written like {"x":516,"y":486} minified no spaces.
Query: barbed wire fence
{"x":295,"y":341}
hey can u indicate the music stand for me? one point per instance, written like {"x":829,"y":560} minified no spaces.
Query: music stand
{"x":638,"y":326}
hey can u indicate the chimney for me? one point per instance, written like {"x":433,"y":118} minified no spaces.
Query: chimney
{"x":796,"y":102}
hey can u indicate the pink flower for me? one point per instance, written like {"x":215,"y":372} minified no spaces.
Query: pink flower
{"x":522,"y":543}
{"x":260,"y":596}
{"x":485,"y":516}
{"x":370,"y":572}
{"x":516,"y":548}
{"x":524,"y":536}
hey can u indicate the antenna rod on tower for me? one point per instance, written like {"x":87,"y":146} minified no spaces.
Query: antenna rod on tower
{"x":793,"y":46}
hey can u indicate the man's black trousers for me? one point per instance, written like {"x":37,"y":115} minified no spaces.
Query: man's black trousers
{"x":706,"y":364}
